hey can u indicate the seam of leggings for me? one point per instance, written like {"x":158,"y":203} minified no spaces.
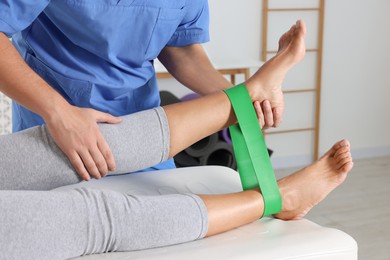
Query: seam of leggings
{"x":163,"y":120}
{"x":203,"y":213}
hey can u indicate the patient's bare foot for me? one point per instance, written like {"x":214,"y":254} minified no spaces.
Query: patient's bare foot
{"x":266,"y":83}
{"x":304,"y":189}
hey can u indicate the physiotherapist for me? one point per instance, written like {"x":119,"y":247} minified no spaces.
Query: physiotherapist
{"x":74,"y":63}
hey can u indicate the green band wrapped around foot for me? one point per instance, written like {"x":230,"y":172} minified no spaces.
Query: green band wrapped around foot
{"x":254,"y":164}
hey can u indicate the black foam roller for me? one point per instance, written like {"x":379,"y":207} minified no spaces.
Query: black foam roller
{"x":203,"y":146}
{"x":221,"y":154}
{"x":168,"y":98}
{"x":182,"y":159}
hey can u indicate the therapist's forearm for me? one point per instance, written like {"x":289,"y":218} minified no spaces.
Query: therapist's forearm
{"x":21,"y":83}
{"x":191,"y":66}
{"x":74,"y":129}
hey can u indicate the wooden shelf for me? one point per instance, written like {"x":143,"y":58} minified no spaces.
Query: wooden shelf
{"x":289,"y":131}
{"x":307,"y":50}
{"x":292,"y":9}
{"x":299,"y":90}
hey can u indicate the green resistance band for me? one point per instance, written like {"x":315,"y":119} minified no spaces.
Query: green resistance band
{"x":254,"y":164}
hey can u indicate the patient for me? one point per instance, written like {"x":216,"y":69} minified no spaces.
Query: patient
{"x":41,"y":224}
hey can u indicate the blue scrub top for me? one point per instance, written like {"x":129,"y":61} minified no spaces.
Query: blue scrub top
{"x":99,"y":53}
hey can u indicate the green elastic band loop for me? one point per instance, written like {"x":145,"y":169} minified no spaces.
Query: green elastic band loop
{"x":254,"y":164}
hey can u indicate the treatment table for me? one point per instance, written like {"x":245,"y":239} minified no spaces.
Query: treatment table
{"x":267,"y":238}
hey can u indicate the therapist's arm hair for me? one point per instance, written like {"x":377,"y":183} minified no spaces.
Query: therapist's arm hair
{"x":191,"y":66}
{"x":74,"y":129}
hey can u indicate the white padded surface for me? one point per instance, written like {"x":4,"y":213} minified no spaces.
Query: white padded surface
{"x":264,"y":239}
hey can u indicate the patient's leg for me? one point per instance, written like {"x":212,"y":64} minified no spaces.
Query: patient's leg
{"x":30,"y":160}
{"x":66,"y":224}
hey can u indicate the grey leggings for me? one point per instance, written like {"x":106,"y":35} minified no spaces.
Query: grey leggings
{"x":39,"y":224}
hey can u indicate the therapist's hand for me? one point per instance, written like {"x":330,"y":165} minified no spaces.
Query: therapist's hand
{"x":77,"y":134}
{"x":266,"y":115}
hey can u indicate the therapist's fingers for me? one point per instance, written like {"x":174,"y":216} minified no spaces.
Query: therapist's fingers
{"x":259,"y":112}
{"x":278,"y":116}
{"x":99,"y":160}
{"x":92,"y":160}
{"x":103,"y":146}
{"x":76,"y":132}
{"x":102,"y":117}
{"x":78,"y":165}
{"x":89,"y":163}
{"x":268,"y":115}
{"x":106,"y":153}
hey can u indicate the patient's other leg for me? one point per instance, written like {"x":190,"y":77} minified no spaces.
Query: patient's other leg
{"x":304,"y":189}
{"x":66,"y":224}
{"x":84,"y":221}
